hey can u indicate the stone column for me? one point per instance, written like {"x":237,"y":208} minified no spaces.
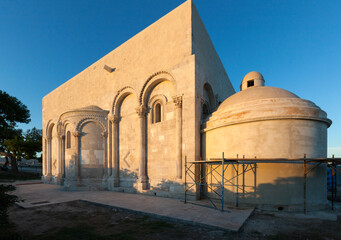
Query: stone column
{"x":44,"y":168}
{"x":114,"y":149}
{"x":77,"y":136}
{"x":59,"y":151}
{"x":110,"y":149}
{"x":49,"y":160}
{"x":143,"y":179}
{"x":59,"y":156}
{"x":178,"y":144}
{"x":63,"y":160}
{"x":104,"y":136}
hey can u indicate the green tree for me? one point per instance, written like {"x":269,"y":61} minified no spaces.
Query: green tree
{"x":15,"y":147}
{"x":26,"y":145}
{"x":12,"y":111}
{"x":32,"y":143}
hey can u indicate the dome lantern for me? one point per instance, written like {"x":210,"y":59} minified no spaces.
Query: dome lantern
{"x":252,"y":79}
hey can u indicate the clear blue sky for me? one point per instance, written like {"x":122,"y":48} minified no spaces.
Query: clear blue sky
{"x":296,"y":45}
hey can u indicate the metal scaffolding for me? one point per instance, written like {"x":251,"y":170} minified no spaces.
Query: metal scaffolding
{"x":196,"y":180}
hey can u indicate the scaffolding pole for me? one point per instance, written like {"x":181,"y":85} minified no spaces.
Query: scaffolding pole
{"x":222,"y":183}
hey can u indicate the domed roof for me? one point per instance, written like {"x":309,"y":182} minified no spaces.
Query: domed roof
{"x":262,"y":104}
{"x":256,"y":93}
{"x":253,"y":76}
{"x":91,"y":107}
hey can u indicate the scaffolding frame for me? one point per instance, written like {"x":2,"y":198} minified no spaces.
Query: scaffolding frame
{"x":198,"y":177}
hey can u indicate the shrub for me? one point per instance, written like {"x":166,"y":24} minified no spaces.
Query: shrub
{"x":6,"y":200}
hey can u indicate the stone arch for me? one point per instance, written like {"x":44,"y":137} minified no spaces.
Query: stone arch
{"x":120,"y":96}
{"x":48,"y":149}
{"x":66,"y":123}
{"x":82,"y":122}
{"x":159,"y":151}
{"x":49,"y":127}
{"x":125,"y":137}
{"x":52,"y":150}
{"x":151,"y":82}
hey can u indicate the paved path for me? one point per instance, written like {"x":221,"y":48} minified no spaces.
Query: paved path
{"x":38,"y":194}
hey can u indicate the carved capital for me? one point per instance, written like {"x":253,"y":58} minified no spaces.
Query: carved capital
{"x":113,"y":118}
{"x":77,"y":134}
{"x":141,"y":111}
{"x":104,"y":134}
{"x":60,"y":129}
{"x":177,"y":100}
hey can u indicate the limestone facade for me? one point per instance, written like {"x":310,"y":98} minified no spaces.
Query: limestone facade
{"x":129,"y":121}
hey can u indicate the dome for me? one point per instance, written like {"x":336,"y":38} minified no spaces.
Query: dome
{"x":91,"y":107}
{"x":254,"y":75}
{"x":256,"y":93}
{"x":262,"y":104}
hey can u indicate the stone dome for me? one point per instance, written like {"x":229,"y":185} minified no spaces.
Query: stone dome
{"x":264,"y":103}
{"x":256,"y":93}
{"x":254,"y":75}
{"x":91,"y":107}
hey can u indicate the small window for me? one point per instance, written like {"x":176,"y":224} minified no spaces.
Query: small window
{"x":250,"y":83}
{"x":157,"y":113}
{"x":68,"y":139}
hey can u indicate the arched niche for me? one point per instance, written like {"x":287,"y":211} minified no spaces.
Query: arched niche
{"x":160,"y":130}
{"x":127,"y":142}
{"x":50,"y":151}
{"x":91,"y":157}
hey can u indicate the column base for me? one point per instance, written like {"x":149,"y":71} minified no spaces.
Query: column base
{"x":59,"y":178}
{"x":116,"y":182}
{"x":143,"y":185}
{"x":79,"y":183}
{"x":48,"y":177}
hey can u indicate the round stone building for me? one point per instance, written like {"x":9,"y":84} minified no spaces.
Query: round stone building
{"x":269,"y":122}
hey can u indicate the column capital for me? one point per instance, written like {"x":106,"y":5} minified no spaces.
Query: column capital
{"x":113,"y":118}
{"x":104,"y":134}
{"x":77,"y":133}
{"x":60,"y":129}
{"x":177,"y":100}
{"x":141,"y":111}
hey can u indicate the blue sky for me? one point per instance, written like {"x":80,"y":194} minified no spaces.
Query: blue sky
{"x":294,"y":44}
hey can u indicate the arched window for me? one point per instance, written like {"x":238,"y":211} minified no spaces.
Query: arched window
{"x":157,"y":113}
{"x":68,"y":139}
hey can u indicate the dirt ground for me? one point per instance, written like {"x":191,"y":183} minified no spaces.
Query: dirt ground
{"x":79,"y":220}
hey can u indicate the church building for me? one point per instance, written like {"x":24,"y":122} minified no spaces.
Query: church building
{"x":130,"y":120}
